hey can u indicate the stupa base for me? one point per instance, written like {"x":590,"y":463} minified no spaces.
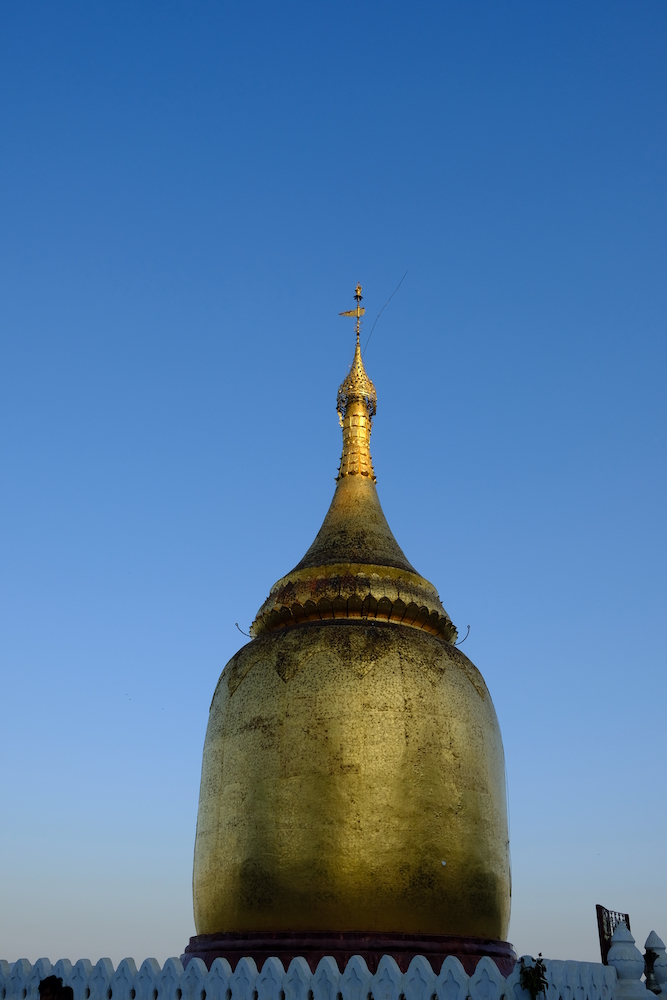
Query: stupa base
{"x":342,"y":945}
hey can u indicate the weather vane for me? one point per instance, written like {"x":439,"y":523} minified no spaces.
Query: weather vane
{"x":358,"y":312}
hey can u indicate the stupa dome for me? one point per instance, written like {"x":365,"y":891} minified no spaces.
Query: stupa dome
{"x":353,"y":774}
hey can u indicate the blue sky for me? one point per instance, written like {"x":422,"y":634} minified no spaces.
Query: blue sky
{"x":189,"y":193}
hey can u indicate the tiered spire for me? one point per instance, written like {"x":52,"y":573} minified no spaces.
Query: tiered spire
{"x":355,"y":569}
{"x":356,"y":405}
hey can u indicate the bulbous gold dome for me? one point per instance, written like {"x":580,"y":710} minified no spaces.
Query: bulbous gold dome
{"x":353,"y":773}
{"x":344,"y":763}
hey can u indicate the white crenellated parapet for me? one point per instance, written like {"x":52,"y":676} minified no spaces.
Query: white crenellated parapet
{"x":566,"y":980}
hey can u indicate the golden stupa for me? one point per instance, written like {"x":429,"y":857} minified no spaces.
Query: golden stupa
{"x":353,"y":774}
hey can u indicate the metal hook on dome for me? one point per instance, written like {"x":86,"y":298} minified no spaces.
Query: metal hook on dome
{"x":464,"y":637}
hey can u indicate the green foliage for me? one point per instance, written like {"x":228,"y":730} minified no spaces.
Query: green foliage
{"x":533,"y":978}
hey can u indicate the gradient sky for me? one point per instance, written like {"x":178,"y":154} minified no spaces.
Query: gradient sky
{"x":189,"y":193}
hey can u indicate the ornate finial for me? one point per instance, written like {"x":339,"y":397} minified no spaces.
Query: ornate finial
{"x":356,"y":405}
{"x":358,"y":312}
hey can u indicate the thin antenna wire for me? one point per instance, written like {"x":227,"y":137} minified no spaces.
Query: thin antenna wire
{"x":241,"y":630}
{"x":382,"y":310}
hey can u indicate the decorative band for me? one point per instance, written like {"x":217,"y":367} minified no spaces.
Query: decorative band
{"x":355,"y":608}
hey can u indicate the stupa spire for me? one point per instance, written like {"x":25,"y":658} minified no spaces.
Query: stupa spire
{"x":355,"y":566}
{"x":356,"y":405}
